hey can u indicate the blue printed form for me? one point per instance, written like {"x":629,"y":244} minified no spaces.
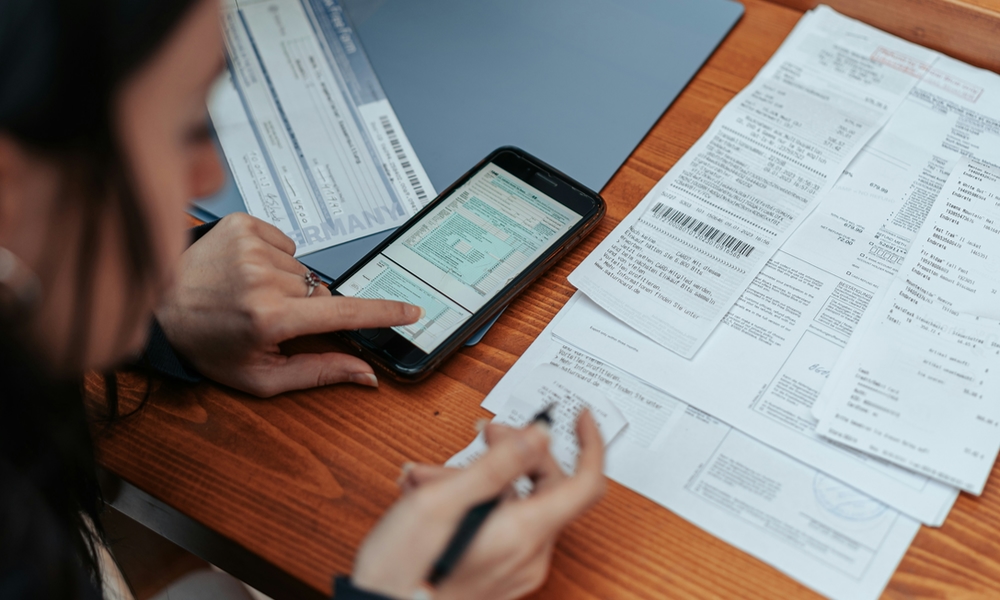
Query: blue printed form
{"x":311,"y":140}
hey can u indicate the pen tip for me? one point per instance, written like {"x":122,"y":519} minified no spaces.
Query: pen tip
{"x":544,"y":415}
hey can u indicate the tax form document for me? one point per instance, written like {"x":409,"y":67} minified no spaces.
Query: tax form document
{"x":311,"y":140}
{"x":920,"y":384}
{"x":827,"y":535}
{"x":676,"y":265}
{"x":545,"y":386}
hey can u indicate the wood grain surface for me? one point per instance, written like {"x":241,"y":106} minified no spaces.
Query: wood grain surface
{"x":301,"y":478}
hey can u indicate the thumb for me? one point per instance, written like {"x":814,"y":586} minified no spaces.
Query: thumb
{"x":303,"y":371}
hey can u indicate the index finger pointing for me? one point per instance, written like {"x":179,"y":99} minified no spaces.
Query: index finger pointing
{"x":323,"y":314}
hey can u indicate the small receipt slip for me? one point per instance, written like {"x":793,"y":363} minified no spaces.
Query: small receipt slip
{"x":919,"y":385}
{"x":543,"y":387}
{"x":676,"y":265}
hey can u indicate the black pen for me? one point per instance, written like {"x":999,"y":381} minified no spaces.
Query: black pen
{"x":472,"y":521}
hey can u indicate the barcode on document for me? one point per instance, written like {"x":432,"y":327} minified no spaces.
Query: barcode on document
{"x":701,"y":230}
{"x":404,"y":162}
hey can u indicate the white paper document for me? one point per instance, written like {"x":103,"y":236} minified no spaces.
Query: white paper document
{"x":543,"y":387}
{"x":919,"y":384}
{"x":953,"y":113}
{"x":751,"y":280}
{"x":760,"y":385}
{"x":762,"y":369}
{"x":311,"y":140}
{"x":830,"y":537}
{"x":682,"y":258}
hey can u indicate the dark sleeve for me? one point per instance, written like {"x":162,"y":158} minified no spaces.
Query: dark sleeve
{"x":159,"y":356}
{"x":199,"y":232}
{"x":343,"y":589}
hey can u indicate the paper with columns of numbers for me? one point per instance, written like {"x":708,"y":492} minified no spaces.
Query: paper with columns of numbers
{"x":311,"y":139}
{"x":819,"y":531}
{"x":676,"y":265}
{"x":544,"y":387}
{"x":953,"y":113}
{"x":918,"y":386}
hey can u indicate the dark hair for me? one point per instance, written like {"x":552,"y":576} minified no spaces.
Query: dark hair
{"x":62,"y":63}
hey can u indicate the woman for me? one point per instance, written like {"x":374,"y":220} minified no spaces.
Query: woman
{"x":103,"y":142}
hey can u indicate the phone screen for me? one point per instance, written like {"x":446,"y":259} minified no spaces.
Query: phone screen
{"x":462,"y":253}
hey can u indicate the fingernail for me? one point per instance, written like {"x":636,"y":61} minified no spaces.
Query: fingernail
{"x":368,"y":379}
{"x":404,"y":473}
{"x":481,"y":424}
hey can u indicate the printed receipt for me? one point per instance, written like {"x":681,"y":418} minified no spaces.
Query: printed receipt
{"x":544,"y":386}
{"x":676,"y":265}
{"x":918,"y":384}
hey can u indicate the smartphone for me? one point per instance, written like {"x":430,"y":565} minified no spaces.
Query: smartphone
{"x":466,"y":255}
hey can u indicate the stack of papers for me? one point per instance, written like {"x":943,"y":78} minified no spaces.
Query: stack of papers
{"x":797,"y":322}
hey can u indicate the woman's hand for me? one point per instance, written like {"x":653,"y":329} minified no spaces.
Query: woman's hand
{"x":510,"y":554}
{"x":240,"y":292}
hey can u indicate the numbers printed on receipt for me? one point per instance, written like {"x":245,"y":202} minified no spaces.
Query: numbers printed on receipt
{"x":677,"y":264}
{"x":918,"y":386}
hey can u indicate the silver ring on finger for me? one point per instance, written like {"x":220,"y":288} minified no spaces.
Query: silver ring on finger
{"x":312,"y":282}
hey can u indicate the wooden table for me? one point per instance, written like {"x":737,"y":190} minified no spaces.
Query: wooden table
{"x":282,"y":491}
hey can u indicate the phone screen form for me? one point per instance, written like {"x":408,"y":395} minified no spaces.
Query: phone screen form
{"x":462,"y":253}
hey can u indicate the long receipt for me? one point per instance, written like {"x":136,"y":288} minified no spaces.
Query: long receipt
{"x":919,"y":385}
{"x":678,"y":263}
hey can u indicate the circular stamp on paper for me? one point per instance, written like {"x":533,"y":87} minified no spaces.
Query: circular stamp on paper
{"x":844,"y":501}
